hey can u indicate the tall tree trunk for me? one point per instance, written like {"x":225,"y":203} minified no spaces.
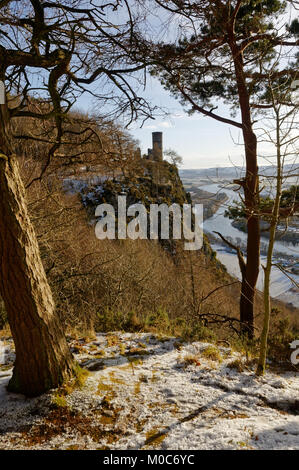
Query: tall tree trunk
{"x":43,"y":359}
{"x":251,"y":197}
{"x":273,"y":225}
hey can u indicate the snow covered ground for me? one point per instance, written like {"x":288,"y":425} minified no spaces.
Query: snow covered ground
{"x":149,"y":392}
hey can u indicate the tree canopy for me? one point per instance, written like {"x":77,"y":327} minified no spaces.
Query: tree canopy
{"x":60,"y":51}
{"x":223,"y":52}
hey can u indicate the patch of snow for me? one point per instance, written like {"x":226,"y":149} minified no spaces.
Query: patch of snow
{"x":141,"y":394}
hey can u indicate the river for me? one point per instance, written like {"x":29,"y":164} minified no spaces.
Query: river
{"x":281,"y":286}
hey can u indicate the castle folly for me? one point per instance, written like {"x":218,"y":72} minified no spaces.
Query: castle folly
{"x":156,"y":153}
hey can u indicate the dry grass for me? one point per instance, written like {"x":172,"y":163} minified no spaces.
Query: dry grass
{"x":237,"y":364}
{"x":191,"y":359}
{"x":127,"y":285}
{"x":62,"y":420}
{"x":212,"y":353}
{"x":111,"y":285}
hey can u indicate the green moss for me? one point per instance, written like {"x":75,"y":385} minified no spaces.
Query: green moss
{"x":59,"y":401}
{"x":78,"y":381}
{"x":81,"y":377}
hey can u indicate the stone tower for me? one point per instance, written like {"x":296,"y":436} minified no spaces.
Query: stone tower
{"x":157,"y":153}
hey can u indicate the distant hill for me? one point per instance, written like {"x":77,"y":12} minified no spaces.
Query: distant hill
{"x":232,"y":172}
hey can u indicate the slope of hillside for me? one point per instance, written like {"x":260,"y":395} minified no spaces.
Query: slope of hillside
{"x":149,"y":392}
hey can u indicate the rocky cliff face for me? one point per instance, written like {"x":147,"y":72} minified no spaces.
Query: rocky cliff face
{"x":158,"y":183}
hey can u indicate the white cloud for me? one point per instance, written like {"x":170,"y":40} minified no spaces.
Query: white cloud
{"x":158,"y":125}
{"x":150,"y":127}
{"x":165,"y":124}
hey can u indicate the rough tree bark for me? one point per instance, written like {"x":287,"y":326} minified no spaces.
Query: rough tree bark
{"x":43,"y":359}
{"x":251,"y":197}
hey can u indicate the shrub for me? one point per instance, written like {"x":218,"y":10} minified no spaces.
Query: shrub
{"x":133,"y":323}
{"x":109,"y":320}
{"x":211,"y":352}
{"x":158,"y":320}
{"x":198,"y":332}
{"x":282,"y":333}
